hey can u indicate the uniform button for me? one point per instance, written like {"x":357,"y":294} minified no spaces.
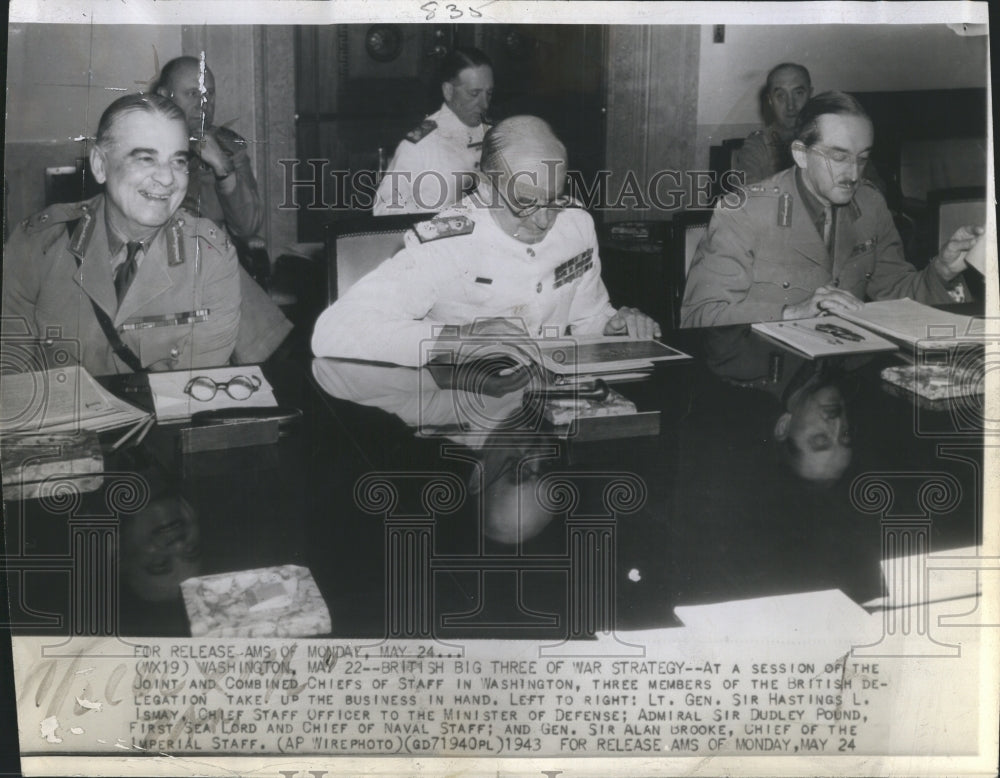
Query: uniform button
{"x":531,"y":252}
{"x":539,"y":287}
{"x":836,"y":282}
{"x":868,"y":275}
{"x":785,"y":284}
{"x":175,"y":352}
{"x":180,"y":222}
{"x":43,"y":218}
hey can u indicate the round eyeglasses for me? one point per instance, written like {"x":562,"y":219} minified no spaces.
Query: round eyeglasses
{"x":203,"y":388}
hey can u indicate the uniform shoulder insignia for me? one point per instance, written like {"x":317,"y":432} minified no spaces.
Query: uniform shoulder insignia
{"x":60,"y":213}
{"x":756,"y":134}
{"x":759,"y":189}
{"x":443,"y":227}
{"x":425,"y":128}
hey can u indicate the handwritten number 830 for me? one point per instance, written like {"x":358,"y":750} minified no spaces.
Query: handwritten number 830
{"x":454,"y":12}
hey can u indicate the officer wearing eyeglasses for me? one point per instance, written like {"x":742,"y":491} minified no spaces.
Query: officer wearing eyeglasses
{"x":513,"y":258}
{"x":814,"y":238}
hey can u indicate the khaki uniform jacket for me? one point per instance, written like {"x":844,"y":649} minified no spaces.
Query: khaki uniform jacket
{"x":762,"y":155}
{"x":181,"y":311}
{"x":756,"y":259}
{"x":241,"y":210}
{"x":263,"y":327}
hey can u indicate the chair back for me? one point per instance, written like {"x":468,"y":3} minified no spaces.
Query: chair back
{"x":688,"y":229}
{"x":926,"y":165}
{"x":356,"y":247}
{"x":955,"y":207}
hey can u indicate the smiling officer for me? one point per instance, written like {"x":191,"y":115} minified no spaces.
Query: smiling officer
{"x":814,"y":238}
{"x":141,"y":284}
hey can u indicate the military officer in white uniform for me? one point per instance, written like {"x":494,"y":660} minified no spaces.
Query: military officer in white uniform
{"x":140,"y":284}
{"x":436,"y":163}
{"x":512,"y":258}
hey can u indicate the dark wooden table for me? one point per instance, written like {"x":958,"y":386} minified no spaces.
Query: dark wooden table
{"x":389,"y":503}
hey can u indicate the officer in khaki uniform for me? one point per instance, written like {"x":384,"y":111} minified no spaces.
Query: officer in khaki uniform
{"x":766,"y":151}
{"x":222,"y":187}
{"x":814,"y":238}
{"x":165,"y":283}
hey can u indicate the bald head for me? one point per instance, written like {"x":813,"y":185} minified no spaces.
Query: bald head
{"x":192,"y":88}
{"x":523,"y":153}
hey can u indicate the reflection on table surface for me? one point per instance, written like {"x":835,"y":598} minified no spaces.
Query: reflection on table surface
{"x":428,"y":511}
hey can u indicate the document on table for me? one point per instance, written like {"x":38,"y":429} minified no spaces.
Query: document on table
{"x":816,"y":615}
{"x":823,"y":336}
{"x":913,"y":322}
{"x":63,"y":399}
{"x":173,"y":403}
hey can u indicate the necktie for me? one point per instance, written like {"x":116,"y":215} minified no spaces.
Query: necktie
{"x":828,"y":228}
{"x":126,"y":270}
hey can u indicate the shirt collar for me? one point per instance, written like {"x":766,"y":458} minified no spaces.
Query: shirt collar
{"x":116,"y":241}
{"x":816,"y":209}
{"x":449,"y":122}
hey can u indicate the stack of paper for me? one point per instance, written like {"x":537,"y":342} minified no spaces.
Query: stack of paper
{"x":64,"y":399}
{"x":914,"y":323}
{"x":173,"y":403}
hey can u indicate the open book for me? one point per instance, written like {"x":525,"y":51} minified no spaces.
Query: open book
{"x":603,"y":354}
{"x":61,"y":399}
{"x":915,"y":323}
{"x":823,"y":336}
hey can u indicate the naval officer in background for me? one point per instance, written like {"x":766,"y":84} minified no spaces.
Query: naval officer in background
{"x":436,"y":162}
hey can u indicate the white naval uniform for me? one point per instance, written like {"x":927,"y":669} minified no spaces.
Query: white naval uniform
{"x":474,"y":271}
{"x":437,"y":152}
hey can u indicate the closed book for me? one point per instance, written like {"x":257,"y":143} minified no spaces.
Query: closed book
{"x":281,"y":602}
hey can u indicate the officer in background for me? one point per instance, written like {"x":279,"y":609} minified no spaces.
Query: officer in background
{"x":814,"y":238}
{"x":513,"y":258}
{"x":222,"y":188}
{"x":139,"y":282}
{"x":766,"y":151}
{"x":436,"y":163}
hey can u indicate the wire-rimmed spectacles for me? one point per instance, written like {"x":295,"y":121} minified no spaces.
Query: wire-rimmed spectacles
{"x":204,"y":389}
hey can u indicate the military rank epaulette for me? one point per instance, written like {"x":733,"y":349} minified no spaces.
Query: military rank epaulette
{"x":425,"y":128}
{"x":60,"y":213}
{"x":443,"y":227}
{"x":761,"y":189}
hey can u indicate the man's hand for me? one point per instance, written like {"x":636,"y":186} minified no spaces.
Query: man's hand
{"x":633,"y":323}
{"x":212,"y":154}
{"x":951,"y":261}
{"x":826,"y":299}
